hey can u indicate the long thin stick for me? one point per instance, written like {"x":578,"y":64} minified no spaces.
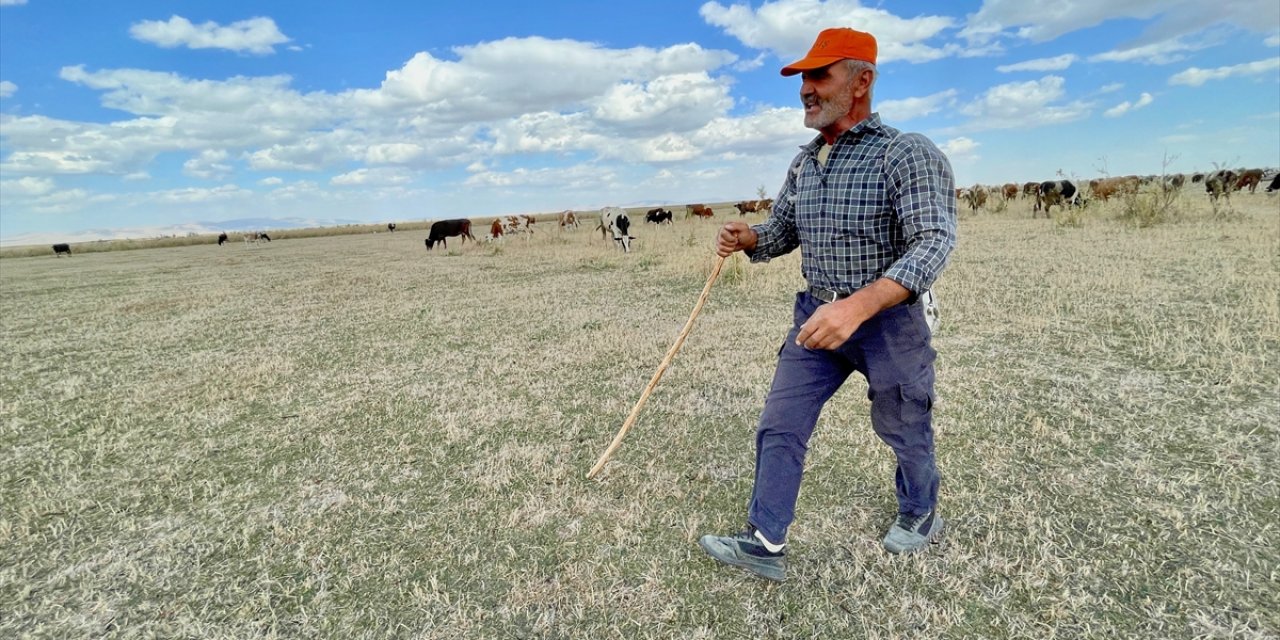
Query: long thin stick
{"x":662,"y":368}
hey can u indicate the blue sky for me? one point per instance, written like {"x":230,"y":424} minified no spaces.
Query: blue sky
{"x":128,"y":119}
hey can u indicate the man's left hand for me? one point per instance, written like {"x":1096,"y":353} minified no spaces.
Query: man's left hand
{"x":830,"y":325}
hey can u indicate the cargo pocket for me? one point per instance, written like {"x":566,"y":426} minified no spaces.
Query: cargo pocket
{"x":917,"y":401}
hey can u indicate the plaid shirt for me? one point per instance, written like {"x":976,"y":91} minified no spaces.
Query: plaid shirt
{"x":883,"y":206}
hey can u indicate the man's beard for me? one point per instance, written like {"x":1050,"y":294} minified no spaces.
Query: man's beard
{"x":833,"y":109}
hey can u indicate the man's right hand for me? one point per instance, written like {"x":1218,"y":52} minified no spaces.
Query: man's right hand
{"x":735,"y":236}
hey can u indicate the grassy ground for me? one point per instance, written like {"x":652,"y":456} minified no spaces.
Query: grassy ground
{"x":348,"y":436}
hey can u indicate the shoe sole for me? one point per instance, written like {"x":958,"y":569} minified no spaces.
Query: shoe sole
{"x":733,"y":561}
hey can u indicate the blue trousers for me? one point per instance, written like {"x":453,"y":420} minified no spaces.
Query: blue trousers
{"x":892,"y":351}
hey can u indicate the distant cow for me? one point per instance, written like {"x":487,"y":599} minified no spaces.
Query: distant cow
{"x":1010,"y":191}
{"x":1249,"y":178}
{"x":391,"y":227}
{"x":61,"y":248}
{"x":1107,"y":187}
{"x":568,"y":219}
{"x":1275,"y":184}
{"x":1199,"y":177}
{"x":1031,"y":189}
{"x":517,"y":224}
{"x":256,"y":237}
{"x":448,"y":229}
{"x":765,"y":206}
{"x":976,"y":197}
{"x":658,"y":216}
{"x":222,"y":238}
{"x":614,"y":221}
{"x":1219,"y":183}
{"x":1053,"y":192}
{"x":745,"y":207}
{"x":700,"y":210}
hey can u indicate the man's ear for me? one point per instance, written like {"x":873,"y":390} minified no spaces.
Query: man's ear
{"x":862,"y":84}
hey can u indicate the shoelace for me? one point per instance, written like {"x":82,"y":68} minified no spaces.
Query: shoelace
{"x":910,"y":522}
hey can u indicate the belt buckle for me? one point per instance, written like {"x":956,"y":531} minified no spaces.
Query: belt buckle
{"x":825,"y":295}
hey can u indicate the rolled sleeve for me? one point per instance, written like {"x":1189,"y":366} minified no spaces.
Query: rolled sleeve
{"x":922,"y":187}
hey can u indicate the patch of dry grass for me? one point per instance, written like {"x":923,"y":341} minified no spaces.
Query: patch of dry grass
{"x":348,"y":436}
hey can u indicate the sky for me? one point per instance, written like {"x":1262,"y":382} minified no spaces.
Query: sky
{"x":139,"y":118}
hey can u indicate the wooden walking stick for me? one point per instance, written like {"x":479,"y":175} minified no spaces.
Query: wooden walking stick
{"x":662,"y":368}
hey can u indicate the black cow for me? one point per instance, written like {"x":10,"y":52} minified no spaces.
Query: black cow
{"x":391,"y":226}
{"x":1053,"y":192}
{"x":1275,"y":184}
{"x":61,"y":248}
{"x":658,"y":216}
{"x":447,"y":229}
{"x":222,"y":238}
{"x":1219,"y":183}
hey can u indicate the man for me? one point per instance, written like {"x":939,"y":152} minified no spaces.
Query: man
{"x":874,"y":213}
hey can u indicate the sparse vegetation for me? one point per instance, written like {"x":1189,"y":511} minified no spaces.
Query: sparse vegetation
{"x":348,"y":436}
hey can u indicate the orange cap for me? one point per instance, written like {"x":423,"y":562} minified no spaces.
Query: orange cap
{"x":834,"y":45}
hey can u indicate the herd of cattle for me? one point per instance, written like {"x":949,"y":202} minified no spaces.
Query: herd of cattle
{"x":615,"y":222}
{"x":1218,"y":184}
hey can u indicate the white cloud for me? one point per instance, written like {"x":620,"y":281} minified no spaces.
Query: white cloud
{"x":385,"y":176}
{"x":1273,"y":40}
{"x":1047,"y":20}
{"x":1023,"y":105}
{"x":1111,"y":87}
{"x":1195,"y":76}
{"x":1163,"y":52}
{"x":271,"y":181}
{"x":394,"y":153}
{"x":7,"y":88}
{"x":910,"y":108}
{"x":1056,"y":63}
{"x":210,"y":164}
{"x":27,"y":186}
{"x":11,"y":3}
{"x":256,"y":35}
{"x":787,"y":27}
{"x":568,"y":178}
{"x":960,"y":147}
{"x":196,"y":195}
{"x":1125,"y":107}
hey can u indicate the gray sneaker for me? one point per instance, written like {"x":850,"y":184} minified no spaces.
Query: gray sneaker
{"x":744,"y":550}
{"x":913,"y":533}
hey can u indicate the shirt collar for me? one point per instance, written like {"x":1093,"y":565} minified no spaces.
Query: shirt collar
{"x":870,"y":123}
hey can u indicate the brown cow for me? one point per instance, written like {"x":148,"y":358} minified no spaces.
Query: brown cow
{"x":1107,"y":187}
{"x":1249,"y":178}
{"x":495,"y":229}
{"x":745,"y":207}
{"x":1030,"y":189}
{"x":700,"y":210}
{"x":568,"y":219}
{"x":765,"y":206}
{"x":1010,"y":191}
{"x":976,"y":196}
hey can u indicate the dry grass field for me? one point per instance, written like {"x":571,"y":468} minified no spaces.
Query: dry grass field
{"x":352,"y":437}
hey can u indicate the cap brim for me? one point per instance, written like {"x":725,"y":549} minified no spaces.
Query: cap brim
{"x":807,"y":64}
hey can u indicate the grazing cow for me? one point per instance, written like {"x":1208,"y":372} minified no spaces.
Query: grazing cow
{"x":256,"y":237}
{"x":658,"y":216}
{"x":765,"y":206}
{"x":391,"y":227}
{"x":614,"y":220}
{"x":1053,"y":192}
{"x":1175,"y":181}
{"x":495,"y":230}
{"x":517,"y":224}
{"x":1275,"y":184}
{"x":222,"y":238}
{"x":745,"y":207}
{"x":1107,"y":187}
{"x":61,"y":248}
{"x":1249,"y":178}
{"x":568,"y":219}
{"x":1199,"y":177}
{"x":1219,"y":183}
{"x":700,"y":210}
{"x":1010,"y":191}
{"x":1030,"y":189}
{"x":447,"y":229}
{"x":975,"y":197}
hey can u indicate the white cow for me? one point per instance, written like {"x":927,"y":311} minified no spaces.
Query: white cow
{"x":614,"y":220}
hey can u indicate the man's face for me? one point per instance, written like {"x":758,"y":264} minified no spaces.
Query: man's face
{"x":827,"y":95}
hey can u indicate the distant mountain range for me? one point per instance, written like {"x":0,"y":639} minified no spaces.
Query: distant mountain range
{"x":183,"y":229}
